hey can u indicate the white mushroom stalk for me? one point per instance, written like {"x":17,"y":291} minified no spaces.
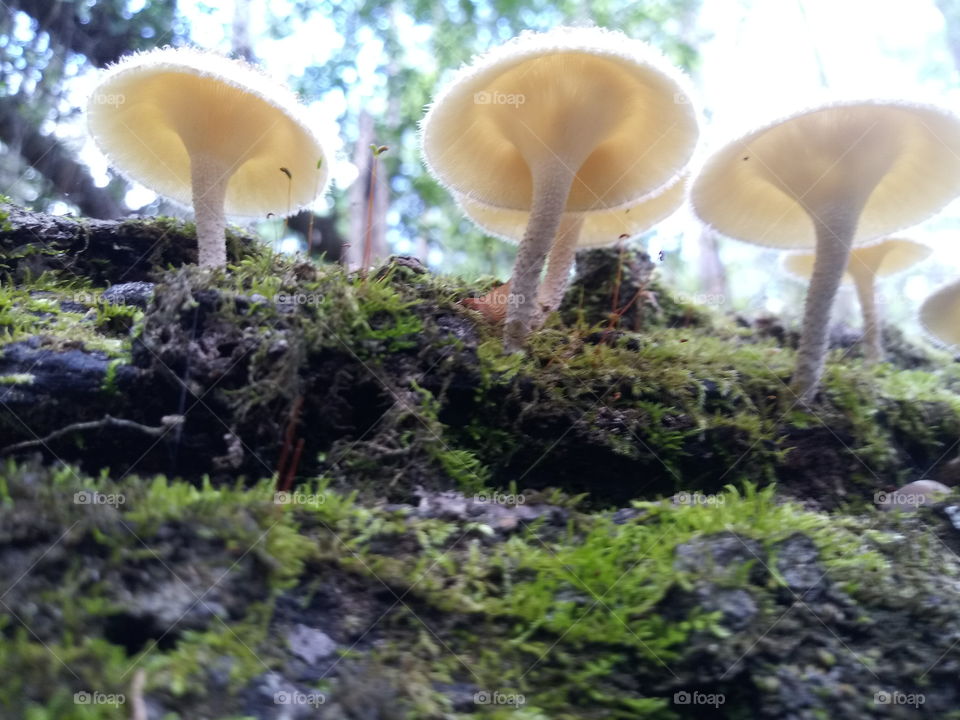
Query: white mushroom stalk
{"x":201,"y":129}
{"x":559,"y":262}
{"x":866,"y":265}
{"x":831,"y":178}
{"x":577,"y":231}
{"x":568,"y":121}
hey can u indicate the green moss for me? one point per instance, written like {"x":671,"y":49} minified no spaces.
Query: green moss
{"x":54,"y":310}
{"x":17,"y":379}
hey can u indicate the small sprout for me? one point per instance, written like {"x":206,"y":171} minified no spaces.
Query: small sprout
{"x":286,"y":172}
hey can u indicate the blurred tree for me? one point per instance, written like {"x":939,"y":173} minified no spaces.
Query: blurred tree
{"x":43,"y":44}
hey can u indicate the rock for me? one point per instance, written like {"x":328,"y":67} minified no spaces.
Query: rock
{"x":503,"y":512}
{"x":309,"y":644}
{"x":798,"y":563}
{"x":137,"y":294}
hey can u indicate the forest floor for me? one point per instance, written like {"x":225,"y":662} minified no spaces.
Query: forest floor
{"x":286,"y":491}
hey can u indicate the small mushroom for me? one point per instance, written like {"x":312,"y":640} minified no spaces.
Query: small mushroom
{"x":885,"y":258}
{"x":940,"y":314}
{"x":587,"y":229}
{"x":830,"y":178}
{"x":200,"y":128}
{"x":569,"y":120}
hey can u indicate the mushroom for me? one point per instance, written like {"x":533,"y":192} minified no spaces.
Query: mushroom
{"x":885,"y":258}
{"x":830,"y":178}
{"x":587,"y":229}
{"x":940,"y":314}
{"x":198,"y":127}
{"x":569,"y":120}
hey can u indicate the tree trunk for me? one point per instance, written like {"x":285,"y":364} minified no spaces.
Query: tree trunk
{"x":360,"y":199}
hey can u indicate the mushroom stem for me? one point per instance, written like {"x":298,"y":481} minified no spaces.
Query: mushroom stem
{"x":209,"y":180}
{"x":863,"y":279}
{"x":551,"y":188}
{"x":834,"y":241}
{"x":559,"y":262}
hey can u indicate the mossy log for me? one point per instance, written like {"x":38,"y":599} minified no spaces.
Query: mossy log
{"x":100,"y":251}
{"x":287,"y":477}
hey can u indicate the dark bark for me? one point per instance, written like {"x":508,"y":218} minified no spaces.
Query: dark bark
{"x":105,"y":251}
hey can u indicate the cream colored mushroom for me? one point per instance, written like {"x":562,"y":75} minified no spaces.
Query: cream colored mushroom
{"x":883,"y":259}
{"x":577,"y":231}
{"x":570,"y":120}
{"x":830,"y":178}
{"x":199,"y":128}
{"x":940,"y":314}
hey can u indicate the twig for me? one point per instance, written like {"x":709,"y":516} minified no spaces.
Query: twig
{"x":168,"y":421}
{"x":292,"y":470}
{"x":368,"y":235}
{"x":312,"y":213}
{"x":288,"y":435}
{"x":138,"y":706}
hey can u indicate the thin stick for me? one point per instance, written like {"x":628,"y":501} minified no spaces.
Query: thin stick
{"x":294,"y":465}
{"x":107,"y":421}
{"x":368,"y":231}
{"x":292,"y":422}
{"x":312,"y":213}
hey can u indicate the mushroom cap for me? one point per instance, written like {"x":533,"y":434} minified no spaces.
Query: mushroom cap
{"x":600,"y":227}
{"x":888,"y":257}
{"x":940,"y":314}
{"x":152,"y":110}
{"x":540,"y":97}
{"x":755,"y":188}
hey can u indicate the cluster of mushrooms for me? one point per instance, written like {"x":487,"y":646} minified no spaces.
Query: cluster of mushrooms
{"x":562,"y":140}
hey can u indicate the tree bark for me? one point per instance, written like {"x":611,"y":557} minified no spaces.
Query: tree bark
{"x":105,"y":251}
{"x":360,"y":197}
